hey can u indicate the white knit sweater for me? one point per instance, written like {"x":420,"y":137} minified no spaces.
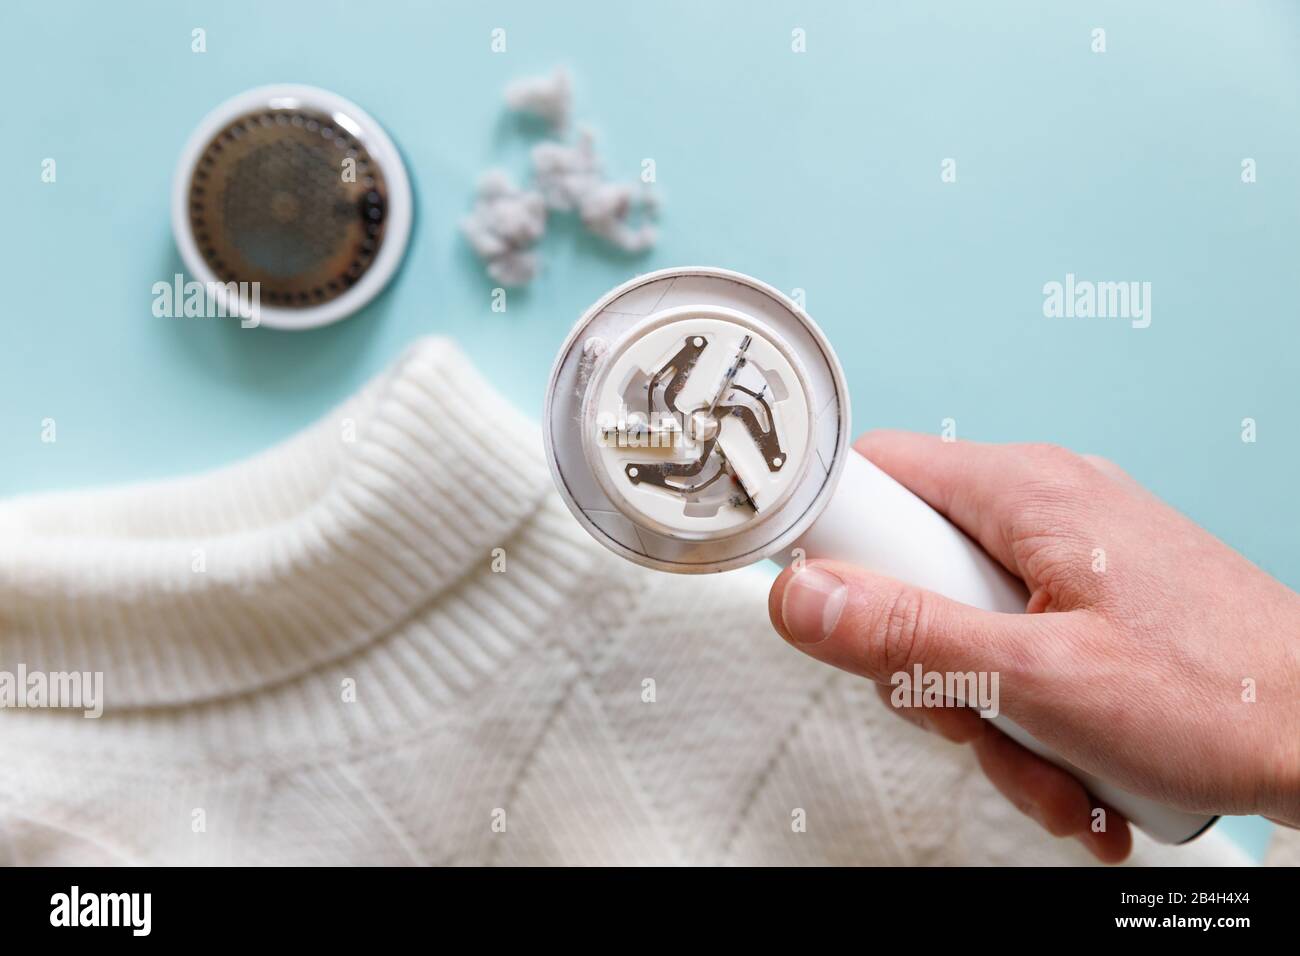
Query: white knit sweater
{"x":309,"y":658}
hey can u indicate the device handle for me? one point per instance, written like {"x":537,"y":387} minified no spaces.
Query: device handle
{"x":874,"y":522}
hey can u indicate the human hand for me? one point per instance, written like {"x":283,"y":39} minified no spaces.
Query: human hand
{"x":1145,"y":638}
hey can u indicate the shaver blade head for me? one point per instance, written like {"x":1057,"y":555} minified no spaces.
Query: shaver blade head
{"x":696,"y":420}
{"x":298,"y":190}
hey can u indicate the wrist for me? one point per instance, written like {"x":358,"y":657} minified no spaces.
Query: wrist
{"x":1282,"y":772}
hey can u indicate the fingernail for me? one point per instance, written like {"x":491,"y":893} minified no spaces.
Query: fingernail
{"x":812,"y":604}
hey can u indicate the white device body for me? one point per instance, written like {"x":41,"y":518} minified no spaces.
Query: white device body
{"x":841,"y":507}
{"x":874,"y":522}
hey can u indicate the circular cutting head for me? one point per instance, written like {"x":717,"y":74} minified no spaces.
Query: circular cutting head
{"x":696,"y":420}
{"x":299,"y":191}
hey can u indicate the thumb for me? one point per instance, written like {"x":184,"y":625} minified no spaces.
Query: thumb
{"x":875,"y":626}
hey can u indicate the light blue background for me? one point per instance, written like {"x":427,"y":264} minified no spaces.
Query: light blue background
{"x":818,"y":171}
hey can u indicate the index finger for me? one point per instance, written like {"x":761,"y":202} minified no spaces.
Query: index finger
{"x":978,"y":487}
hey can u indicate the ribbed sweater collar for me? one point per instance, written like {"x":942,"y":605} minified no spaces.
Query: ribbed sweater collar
{"x":216,"y":585}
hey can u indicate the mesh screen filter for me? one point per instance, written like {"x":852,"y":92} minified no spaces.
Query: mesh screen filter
{"x":272,"y":199}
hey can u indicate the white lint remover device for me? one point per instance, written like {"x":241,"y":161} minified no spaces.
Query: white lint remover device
{"x":697,"y":421}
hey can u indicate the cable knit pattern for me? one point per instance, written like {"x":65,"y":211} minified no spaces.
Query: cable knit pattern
{"x":229,"y":611}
